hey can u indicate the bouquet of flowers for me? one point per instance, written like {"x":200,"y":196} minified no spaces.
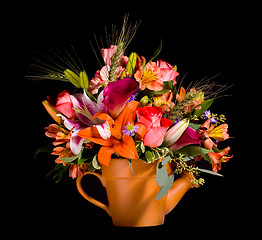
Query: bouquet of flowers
{"x":133,"y":108}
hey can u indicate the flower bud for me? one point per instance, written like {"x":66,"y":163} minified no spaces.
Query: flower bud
{"x":175,"y":132}
{"x":144,"y":101}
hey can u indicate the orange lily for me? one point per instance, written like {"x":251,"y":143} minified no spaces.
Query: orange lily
{"x":119,"y":142}
{"x":52,"y":111}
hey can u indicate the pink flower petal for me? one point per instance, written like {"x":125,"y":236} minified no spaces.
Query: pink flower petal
{"x":86,"y":108}
{"x":108,"y":53}
{"x":190,"y":136}
{"x":155,"y":137}
{"x":149,"y":116}
{"x":116,"y":94}
{"x":104,"y":130}
{"x":76,"y":142}
{"x":64,"y":104}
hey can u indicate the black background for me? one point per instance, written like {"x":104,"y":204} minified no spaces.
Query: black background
{"x":202,"y":39}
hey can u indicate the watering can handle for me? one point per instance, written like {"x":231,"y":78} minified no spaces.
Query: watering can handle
{"x":86,"y":196}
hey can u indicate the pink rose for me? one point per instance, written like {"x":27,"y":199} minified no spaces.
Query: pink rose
{"x":168,"y":72}
{"x":64,"y":104}
{"x":156,"y":126}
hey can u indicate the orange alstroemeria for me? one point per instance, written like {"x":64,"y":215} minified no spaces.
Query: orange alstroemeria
{"x":219,"y":133}
{"x":197,"y":97}
{"x":58,"y":133}
{"x":182,"y":95}
{"x":119,"y":142}
{"x":150,"y":77}
{"x":217,"y":158}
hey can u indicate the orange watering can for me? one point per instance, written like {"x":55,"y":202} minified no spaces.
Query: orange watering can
{"x":131,"y":198}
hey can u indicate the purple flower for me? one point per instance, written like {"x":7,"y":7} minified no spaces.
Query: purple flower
{"x":133,"y":96}
{"x":130,"y":129}
{"x":208,"y":115}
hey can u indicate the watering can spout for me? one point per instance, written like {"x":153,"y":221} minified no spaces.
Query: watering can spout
{"x":178,"y":189}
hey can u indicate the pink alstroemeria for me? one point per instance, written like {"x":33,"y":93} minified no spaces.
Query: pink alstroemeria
{"x":58,"y":133}
{"x":108,"y":54}
{"x":77,"y":170}
{"x":101,"y":76}
{"x":116,"y":94}
{"x":190,"y":136}
{"x":149,"y":77}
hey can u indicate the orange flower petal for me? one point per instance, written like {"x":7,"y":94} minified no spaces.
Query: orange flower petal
{"x":156,"y":85}
{"x":92,"y":134}
{"x":104,"y":155}
{"x":182,"y":95}
{"x":126,"y":148}
{"x":104,"y":116}
{"x":126,"y":116}
{"x":219,"y":133}
{"x":208,"y":144}
{"x":215,"y":161}
{"x":141,"y":131}
{"x":52,"y":111}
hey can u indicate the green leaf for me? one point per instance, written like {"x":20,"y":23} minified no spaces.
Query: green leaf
{"x":194,"y":126}
{"x":166,"y":87}
{"x":161,"y":174}
{"x":91,"y":96}
{"x":95,"y":163}
{"x":159,"y":49}
{"x":166,"y":160}
{"x":130,"y":164}
{"x":188,"y":159}
{"x":91,"y":168}
{"x":207,"y":158}
{"x":157,"y":153}
{"x":131,"y":64}
{"x":154,"y":55}
{"x":44,"y":149}
{"x":193,"y":150}
{"x":81,"y":160}
{"x":164,"y":189}
{"x":204,"y":106}
{"x":142,"y":146}
{"x":84,"y":83}
{"x":69,"y":159}
{"x":58,"y":171}
{"x":72,"y":77}
{"x":209,"y":172}
{"x":150,"y":156}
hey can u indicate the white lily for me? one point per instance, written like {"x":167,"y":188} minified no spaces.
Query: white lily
{"x":175,"y":132}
